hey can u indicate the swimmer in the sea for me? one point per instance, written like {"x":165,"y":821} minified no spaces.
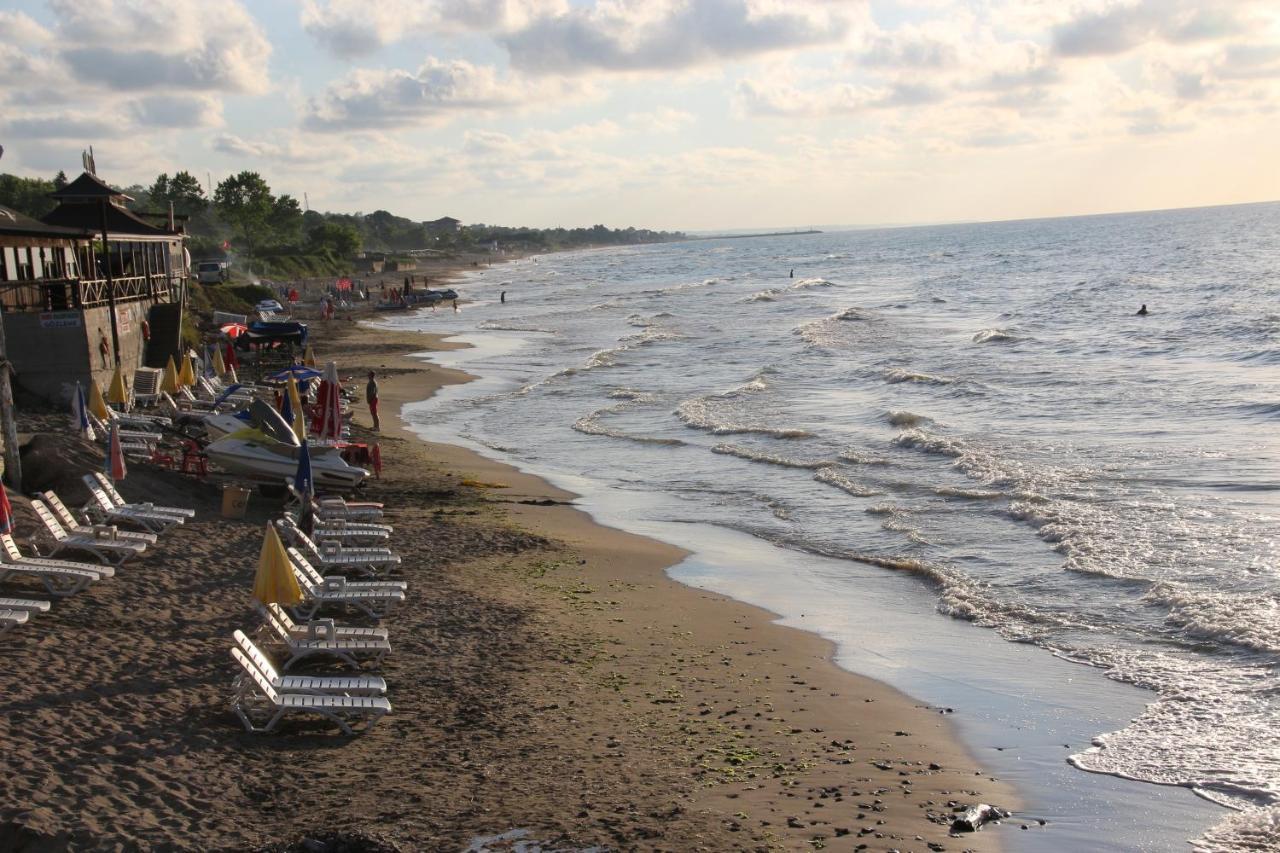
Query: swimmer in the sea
{"x":1142,"y":312}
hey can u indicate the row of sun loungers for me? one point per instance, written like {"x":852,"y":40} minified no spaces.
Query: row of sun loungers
{"x":265,"y":690}
{"x":105,"y":542}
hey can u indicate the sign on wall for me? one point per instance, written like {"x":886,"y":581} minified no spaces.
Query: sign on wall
{"x":124,"y":319}
{"x":60,"y":320}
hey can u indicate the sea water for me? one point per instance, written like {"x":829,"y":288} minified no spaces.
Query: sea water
{"x":969,"y":428}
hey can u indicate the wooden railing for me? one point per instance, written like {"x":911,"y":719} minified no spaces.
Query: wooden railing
{"x":69,"y":294}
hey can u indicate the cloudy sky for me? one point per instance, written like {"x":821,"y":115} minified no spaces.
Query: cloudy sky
{"x":693,"y":114}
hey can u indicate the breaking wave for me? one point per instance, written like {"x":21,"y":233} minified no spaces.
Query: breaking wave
{"x":898,"y":375}
{"x":769,"y":458}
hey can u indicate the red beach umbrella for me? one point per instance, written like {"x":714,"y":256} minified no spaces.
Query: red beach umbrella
{"x":115,"y":456}
{"x":6,"y":512}
{"x":233,"y":330}
{"x":327,"y":420}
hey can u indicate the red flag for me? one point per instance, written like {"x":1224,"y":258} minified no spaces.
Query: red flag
{"x":6,"y":512}
{"x":376,"y":453}
{"x":229,"y":359}
{"x":226,"y":244}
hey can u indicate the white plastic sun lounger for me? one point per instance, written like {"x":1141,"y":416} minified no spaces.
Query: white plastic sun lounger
{"x":320,"y":628}
{"x":109,"y":551}
{"x":12,"y":618}
{"x":349,"y":651}
{"x":59,"y":577}
{"x":332,"y":555}
{"x":101,"y":506}
{"x":31,"y":605}
{"x":349,"y":533}
{"x":343,"y":685}
{"x":271,"y":706}
{"x":337,"y":507}
{"x":375,"y":603}
{"x":107,"y":486}
{"x":304,"y":566}
{"x":72,"y":525}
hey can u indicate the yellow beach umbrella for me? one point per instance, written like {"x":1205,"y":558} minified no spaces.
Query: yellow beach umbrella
{"x":219,"y":366}
{"x":309,"y":358}
{"x":187,"y":374}
{"x":274,"y":582}
{"x":96,"y":404}
{"x":295,"y":401}
{"x":169,"y":382}
{"x":117,"y":392}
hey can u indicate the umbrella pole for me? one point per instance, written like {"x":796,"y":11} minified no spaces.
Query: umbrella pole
{"x":8,"y":420}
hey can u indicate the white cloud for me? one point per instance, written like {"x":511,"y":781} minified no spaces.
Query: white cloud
{"x":352,"y":28}
{"x":668,"y":35}
{"x":178,"y":111}
{"x":200,"y":45}
{"x":436,"y":91}
{"x":1122,"y":26}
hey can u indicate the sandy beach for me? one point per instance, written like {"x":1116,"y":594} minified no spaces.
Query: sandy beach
{"x":550,"y":685}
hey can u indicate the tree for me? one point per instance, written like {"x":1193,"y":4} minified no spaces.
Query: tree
{"x":183,"y":190}
{"x":286,"y":220}
{"x":27,"y":195}
{"x":244,"y":202}
{"x":342,"y":240}
{"x":60,"y":180}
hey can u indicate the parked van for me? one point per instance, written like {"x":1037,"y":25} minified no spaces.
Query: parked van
{"x":211,"y":272}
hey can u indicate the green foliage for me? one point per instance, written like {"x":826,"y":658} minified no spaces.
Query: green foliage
{"x":27,"y":195}
{"x":338,"y":238}
{"x":183,"y":190}
{"x":286,"y":220}
{"x":244,"y":202}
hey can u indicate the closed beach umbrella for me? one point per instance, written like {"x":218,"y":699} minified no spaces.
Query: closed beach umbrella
{"x":274,"y":582}
{"x":115,"y":456}
{"x":169,"y":382}
{"x":309,"y":359}
{"x":230,"y":360}
{"x":286,"y":407}
{"x":187,"y":375}
{"x":80,"y":414}
{"x":208,"y":361}
{"x":96,"y":404}
{"x":327,"y":422}
{"x":302,"y":479}
{"x":219,"y":366}
{"x":297,"y":421}
{"x":117,"y":393}
{"x":6,"y":512}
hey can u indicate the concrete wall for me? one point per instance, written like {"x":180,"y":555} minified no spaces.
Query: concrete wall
{"x":51,"y":352}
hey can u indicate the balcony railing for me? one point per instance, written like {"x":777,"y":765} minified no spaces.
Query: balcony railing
{"x":68,"y":294}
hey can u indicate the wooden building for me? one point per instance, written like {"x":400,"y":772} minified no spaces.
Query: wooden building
{"x":75,"y":306}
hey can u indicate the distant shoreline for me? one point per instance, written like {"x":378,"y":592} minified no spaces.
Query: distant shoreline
{"x":743,"y":236}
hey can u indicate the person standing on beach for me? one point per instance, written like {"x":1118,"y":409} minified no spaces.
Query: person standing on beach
{"x":503,"y":298}
{"x":455,"y":306}
{"x":371,"y":397}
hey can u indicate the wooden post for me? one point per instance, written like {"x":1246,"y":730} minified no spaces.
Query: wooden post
{"x":8,"y":420}
{"x":111,"y":288}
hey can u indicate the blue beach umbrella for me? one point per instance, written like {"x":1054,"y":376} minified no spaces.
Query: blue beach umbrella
{"x":80,"y":413}
{"x":299,"y":372}
{"x":302,"y":479}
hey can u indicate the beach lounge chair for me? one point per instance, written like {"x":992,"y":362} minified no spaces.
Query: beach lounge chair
{"x":335,"y":507}
{"x":12,"y":618}
{"x":332,"y":555}
{"x":317,"y":628}
{"x":375,"y":602}
{"x":107,"y":486}
{"x":304,"y":565}
{"x":17,"y":611}
{"x":270,"y":705}
{"x":132,"y":442}
{"x":100,"y":544}
{"x":348,"y":532}
{"x":102,"y":507}
{"x":73,"y":525}
{"x":59,"y":577}
{"x":350,"y":651}
{"x":341,"y":685}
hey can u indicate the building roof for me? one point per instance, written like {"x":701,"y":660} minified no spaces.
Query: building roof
{"x":14,"y":223}
{"x":88,"y":217}
{"x":89,"y":187}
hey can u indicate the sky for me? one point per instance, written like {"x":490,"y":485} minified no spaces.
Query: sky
{"x":674,"y":114}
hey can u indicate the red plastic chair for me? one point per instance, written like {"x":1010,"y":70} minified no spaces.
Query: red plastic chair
{"x":193,"y":459}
